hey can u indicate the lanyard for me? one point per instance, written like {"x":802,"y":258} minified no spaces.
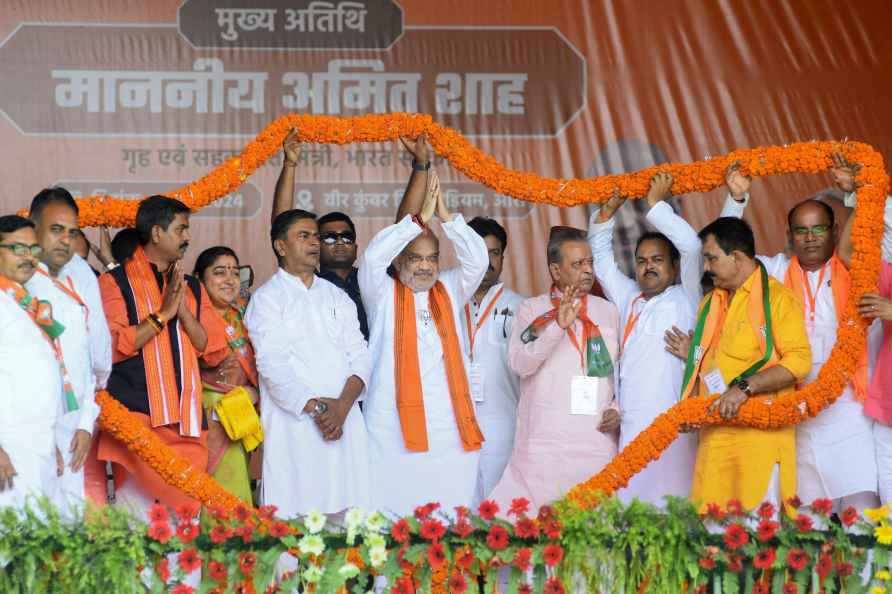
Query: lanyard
{"x":630,"y":323}
{"x":68,"y":289}
{"x":813,"y":298}
{"x":472,"y":331}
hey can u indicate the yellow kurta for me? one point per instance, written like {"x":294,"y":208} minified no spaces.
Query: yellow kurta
{"x":737,"y":462}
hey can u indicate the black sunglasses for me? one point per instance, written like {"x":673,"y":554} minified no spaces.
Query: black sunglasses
{"x":346,"y":237}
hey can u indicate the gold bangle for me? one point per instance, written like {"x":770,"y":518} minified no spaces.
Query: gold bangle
{"x":155,"y":323}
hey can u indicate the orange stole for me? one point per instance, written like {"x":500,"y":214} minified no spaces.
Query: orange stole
{"x":407,"y":373}
{"x":840,"y":283}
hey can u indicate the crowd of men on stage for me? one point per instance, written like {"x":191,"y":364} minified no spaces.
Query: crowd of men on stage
{"x":468,"y":391}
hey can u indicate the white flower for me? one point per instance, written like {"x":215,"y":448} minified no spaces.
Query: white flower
{"x":311,"y":544}
{"x":315,"y":521}
{"x":348,"y":570}
{"x":375,"y":540}
{"x":377,"y":556}
{"x":375,"y":522}
{"x":353,"y":518}
{"x":312,"y":574}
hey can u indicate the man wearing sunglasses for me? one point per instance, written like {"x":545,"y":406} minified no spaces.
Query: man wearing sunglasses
{"x":337,"y":233}
{"x":835,"y":456}
{"x":31,"y":373}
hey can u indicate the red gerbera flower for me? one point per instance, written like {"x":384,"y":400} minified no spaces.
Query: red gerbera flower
{"x":790,"y":588}
{"x":715,"y":512}
{"x":267,"y":511}
{"x":519,"y":506}
{"x":822,"y":506}
{"x":160,"y":532}
{"x":735,"y":507}
{"x":844,"y":569}
{"x":425,"y":510}
{"x":465,"y":559}
{"x":246,"y":532}
{"x":246,"y":562}
{"x":242,"y":512}
{"x":435,"y":555}
{"x":400,"y":530}
{"x":186,"y":512}
{"x":766,"y":530}
{"x":553,"y":586}
{"x":764,"y":558}
{"x":220,"y":514}
{"x":552,"y":554}
{"x":849,"y":516}
{"x":463,"y":528}
{"x":189,"y":561}
{"x":522,"y":559}
{"x":187,"y":532}
{"x":432,"y":529}
{"x":824,"y":565}
{"x":220,"y":533}
{"x":497,"y":539}
{"x":182,"y":589}
{"x":546,"y":512}
{"x":403,"y":585}
{"x":735,"y":536}
{"x":525,"y":589}
{"x":526,"y":528}
{"x":457,"y":583}
{"x":217,"y":571}
{"x":760,"y":588}
{"x":797,"y":559}
{"x":735,"y":563}
{"x":707,"y":563}
{"x":462,"y":512}
{"x":158,"y":514}
{"x":162,"y":569}
{"x":803,"y":523}
{"x":488,"y":510}
{"x":552,"y":529}
{"x":766,"y":510}
{"x":794,"y":502}
{"x":279,"y":529}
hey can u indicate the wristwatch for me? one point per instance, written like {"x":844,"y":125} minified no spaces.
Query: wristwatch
{"x":744,"y":386}
{"x":418,"y":167}
{"x":320,"y":408}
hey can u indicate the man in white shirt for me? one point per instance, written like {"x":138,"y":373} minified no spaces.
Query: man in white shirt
{"x":30,"y":373}
{"x":835,"y":457}
{"x":487,"y":322}
{"x":650,"y":378}
{"x":313,"y":364}
{"x":424,"y":439}
{"x":54,"y":213}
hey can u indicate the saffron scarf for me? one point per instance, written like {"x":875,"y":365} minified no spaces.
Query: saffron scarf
{"x":407,"y":372}
{"x":594,"y":358}
{"x":239,"y":342}
{"x":710,"y":321}
{"x":167,"y":405}
{"x":41,"y":313}
{"x":840,"y":283}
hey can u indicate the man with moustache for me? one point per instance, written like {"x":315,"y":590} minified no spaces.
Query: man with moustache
{"x":54,"y":213}
{"x":835,"y":456}
{"x":487,"y":323}
{"x":337,"y":233}
{"x":563,"y":346}
{"x":749,"y":342}
{"x":649,"y":306}
{"x":31,"y":373}
{"x":313,"y":364}
{"x":161,"y":322}
{"x":424,"y":439}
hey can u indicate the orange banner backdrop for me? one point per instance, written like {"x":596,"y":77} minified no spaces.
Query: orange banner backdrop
{"x":141,"y":99}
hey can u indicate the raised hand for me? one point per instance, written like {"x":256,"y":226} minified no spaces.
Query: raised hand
{"x":104,"y":253}
{"x":660,"y":188}
{"x":609,"y":209}
{"x":737,"y":183}
{"x":173,"y":293}
{"x":568,"y":308}
{"x":417,"y":148}
{"x":442,"y":211}
{"x":431,"y":198}
{"x":291,"y":146}
{"x":843,"y":172}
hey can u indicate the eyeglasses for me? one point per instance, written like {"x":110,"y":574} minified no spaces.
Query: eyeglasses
{"x":346,"y":237}
{"x":20,"y":249}
{"x":817,"y":230}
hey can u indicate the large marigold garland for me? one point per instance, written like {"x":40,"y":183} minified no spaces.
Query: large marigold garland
{"x":701,"y":176}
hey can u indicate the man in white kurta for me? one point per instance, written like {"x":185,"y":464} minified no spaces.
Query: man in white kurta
{"x":83,"y":278}
{"x":446,"y":472}
{"x":486,"y":327}
{"x":835,"y":450}
{"x":308,"y":346}
{"x":30,"y":381}
{"x":650,"y":378}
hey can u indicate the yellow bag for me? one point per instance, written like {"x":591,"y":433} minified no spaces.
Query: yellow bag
{"x":239,"y":418}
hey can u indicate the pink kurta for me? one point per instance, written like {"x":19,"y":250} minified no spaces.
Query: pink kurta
{"x":553,"y":449}
{"x":879,"y":397}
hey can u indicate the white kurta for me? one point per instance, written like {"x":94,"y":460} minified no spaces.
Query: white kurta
{"x":75,"y":341}
{"x":446,"y":473}
{"x":650,"y":377}
{"x":307,"y":344}
{"x":497,"y":402}
{"x":835,"y":454}
{"x":31,"y":400}
{"x":100,"y":338}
